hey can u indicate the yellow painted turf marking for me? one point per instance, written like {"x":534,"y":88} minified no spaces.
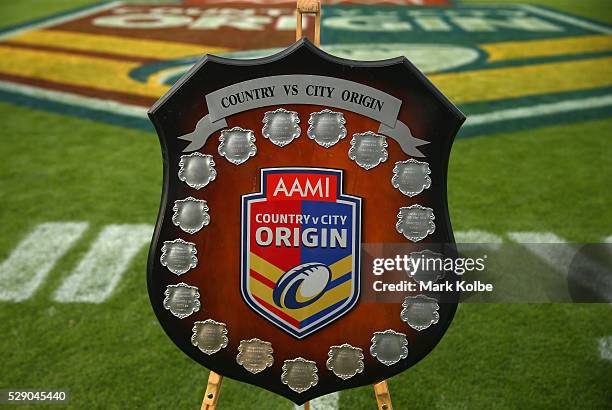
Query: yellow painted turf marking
{"x":93,"y":72}
{"x":462,"y":87}
{"x":125,"y":46}
{"x":500,"y":83}
{"x":513,"y":50}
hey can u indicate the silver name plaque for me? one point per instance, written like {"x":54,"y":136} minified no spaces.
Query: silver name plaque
{"x":209,"y":336}
{"x":420,"y":312}
{"x":415,"y":222}
{"x":429,"y":269}
{"x":190,"y":214}
{"x":197,"y":170}
{"x":299,"y":374}
{"x":411,"y":177}
{"x":281,"y":126}
{"x":179,"y":256}
{"x":345,"y":361}
{"x":326,"y":127}
{"x":255,"y":355}
{"x":389,"y":347}
{"x":237,"y":145}
{"x":368,"y":149}
{"x":182,"y":300}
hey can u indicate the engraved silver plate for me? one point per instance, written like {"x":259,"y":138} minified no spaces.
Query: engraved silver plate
{"x":415,"y":222}
{"x":299,"y":374}
{"x":389,"y":347}
{"x":429,"y":269}
{"x":197,"y":170}
{"x":178,"y":256}
{"x":411,"y":177}
{"x":255,"y":355}
{"x":190,"y":214}
{"x":237,"y":145}
{"x":326,"y":127}
{"x":209,"y":336}
{"x":281,"y":126}
{"x":182,"y":300}
{"x":345,"y":361}
{"x":368,"y":149}
{"x":420,"y":312}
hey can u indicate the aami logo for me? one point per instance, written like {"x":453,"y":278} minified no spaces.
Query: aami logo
{"x":301,"y":239}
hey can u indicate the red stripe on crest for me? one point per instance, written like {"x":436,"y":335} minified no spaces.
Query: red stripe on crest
{"x":278,"y":312}
{"x":262,"y":279}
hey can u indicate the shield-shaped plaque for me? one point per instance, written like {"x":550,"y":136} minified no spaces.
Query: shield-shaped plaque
{"x":411,"y":177}
{"x":326,"y":127}
{"x":179,"y":256}
{"x":368,"y":149}
{"x":209,"y":336}
{"x":181,"y":300}
{"x":260,"y":275}
{"x":281,"y":126}
{"x":415,"y":222}
{"x":197,"y":170}
{"x":190,"y":214}
{"x":420,"y":312}
{"x":345,"y":361}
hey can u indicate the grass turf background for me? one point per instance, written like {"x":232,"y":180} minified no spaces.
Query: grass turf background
{"x":115,"y":355}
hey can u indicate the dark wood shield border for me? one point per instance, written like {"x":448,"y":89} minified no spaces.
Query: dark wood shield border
{"x":429,"y":115}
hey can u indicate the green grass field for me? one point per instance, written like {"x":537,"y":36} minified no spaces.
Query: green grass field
{"x":115,"y":354}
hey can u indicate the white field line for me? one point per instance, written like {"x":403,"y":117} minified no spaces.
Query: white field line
{"x":479,"y":239}
{"x":539,"y":110}
{"x":557,"y":257}
{"x":98,"y":273}
{"x":327,"y":402}
{"x":75,"y":99}
{"x":58,"y":20}
{"x":28,"y":265}
{"x":577,"y":22}
{"x":605,"y":348}
{"x":96,"y":276}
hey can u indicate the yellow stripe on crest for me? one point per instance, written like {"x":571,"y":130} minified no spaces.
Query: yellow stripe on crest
{"x":265,"y":268}
{"x":343,"y":266}
{"x":272,"y":272}
{"x":336,"y":294}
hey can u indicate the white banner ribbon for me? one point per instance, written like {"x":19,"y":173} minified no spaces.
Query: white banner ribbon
{"x":304,"y":89}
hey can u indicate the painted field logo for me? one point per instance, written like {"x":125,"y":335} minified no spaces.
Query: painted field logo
{"x":300,"y":248}
{"x":508,"y":66}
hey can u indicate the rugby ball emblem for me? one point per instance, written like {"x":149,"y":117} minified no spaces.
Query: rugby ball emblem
{"x":302,"y":285}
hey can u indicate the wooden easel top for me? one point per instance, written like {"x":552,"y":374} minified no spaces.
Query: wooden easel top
{"x":309,"y":7}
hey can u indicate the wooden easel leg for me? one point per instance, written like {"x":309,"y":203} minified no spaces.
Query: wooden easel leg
{"x":212,"y":391}
{"x":383,"y":398}
{"x":381,"y":390}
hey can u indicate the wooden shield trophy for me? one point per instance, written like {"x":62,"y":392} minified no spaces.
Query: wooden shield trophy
{"x":277,"y":173}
